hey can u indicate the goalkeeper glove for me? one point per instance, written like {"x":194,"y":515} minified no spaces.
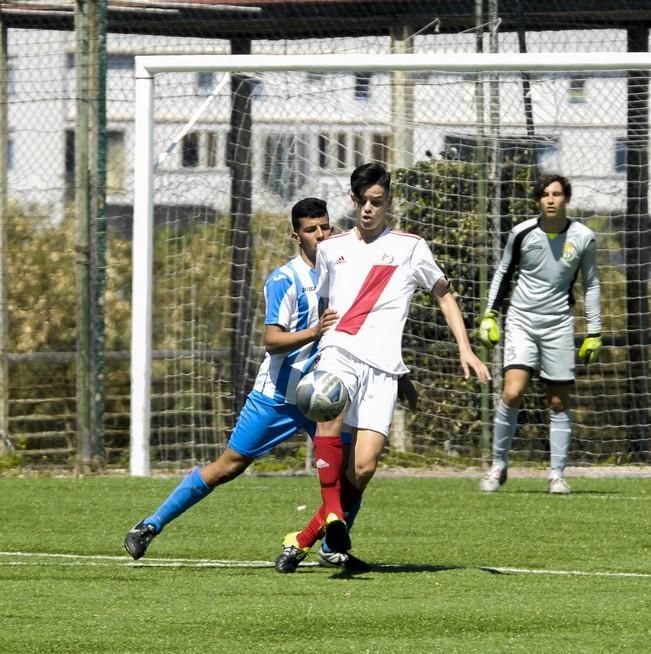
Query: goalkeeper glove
{"x":489,"y":330}
{"x":590,"y":347}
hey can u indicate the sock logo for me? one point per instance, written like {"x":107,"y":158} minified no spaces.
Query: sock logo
{"x":320,"y":463}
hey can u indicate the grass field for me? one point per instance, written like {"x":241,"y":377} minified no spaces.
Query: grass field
{"x":453,"y":570}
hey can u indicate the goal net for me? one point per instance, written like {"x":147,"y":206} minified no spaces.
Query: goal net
{"x":225,"y":145}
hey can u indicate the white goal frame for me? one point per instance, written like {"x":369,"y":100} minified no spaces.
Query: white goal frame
{"x":148,"y":66}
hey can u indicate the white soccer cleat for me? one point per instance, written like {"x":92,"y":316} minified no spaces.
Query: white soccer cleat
{"x":558,"y":486}
{"x":493,"y":479}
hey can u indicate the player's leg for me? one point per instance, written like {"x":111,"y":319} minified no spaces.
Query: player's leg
{"x":351,"y":502}
{"x":262,"y":424}
{"x":361,"y":467}
{"x":193,"y":488}
{"x":296,"y":545}
{"x":505,"y":424}
{"x":372,"y":412}
{"x":329,"y":461}
{"x":557,"y":371}
{"x":560,"y":436}
{"x":521,"y":358}
{"x":329,"y":450}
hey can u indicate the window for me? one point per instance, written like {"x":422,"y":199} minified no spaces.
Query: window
{"x":115,"y":162}
{"x":621,"y":150}
{"x":205,"y":82}
{"x":324,"y":157}
{"x":576,"y":92}
{"x":362,"y":86}
{"x":69,"y":164}
{"x":190,"y":150}
{"x":114,"y":61}
{"x":380,"y":148}
{"x":120,"y":61}
{"x":212,"y":150}
{"x":358,"y":150}
{"x":340,"y":161}
{"x":285,"y":164}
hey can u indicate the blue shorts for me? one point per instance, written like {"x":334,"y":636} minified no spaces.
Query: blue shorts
{"x":264,"y":423}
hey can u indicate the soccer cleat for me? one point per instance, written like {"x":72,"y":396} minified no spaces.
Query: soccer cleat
{"x":336,"y":534}
{"x":558,"y":486}
{"x":493,"y":479}
{"x":138,"y":539}
{"x":344,"y":561}
{"x":292,"y":554}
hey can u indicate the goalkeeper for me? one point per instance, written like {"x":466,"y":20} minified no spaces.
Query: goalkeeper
{"x":546,"y":252}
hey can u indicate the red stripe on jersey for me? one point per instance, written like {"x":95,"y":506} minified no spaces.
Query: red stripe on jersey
{"x":376,"y":281}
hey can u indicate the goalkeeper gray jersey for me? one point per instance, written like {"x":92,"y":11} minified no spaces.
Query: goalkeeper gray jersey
{"x":545,"y":269}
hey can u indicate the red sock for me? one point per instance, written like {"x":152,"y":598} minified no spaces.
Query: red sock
{"x":314,"y":529}
{"x":329,"y":455}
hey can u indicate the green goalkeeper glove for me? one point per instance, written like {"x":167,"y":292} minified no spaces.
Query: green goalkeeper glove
{"x":489,"y":330}
{"x":590,"y":347}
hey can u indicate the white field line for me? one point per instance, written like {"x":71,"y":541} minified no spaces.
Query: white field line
{"x":569,"y":573}
{"x":634,"y":498}
{"x":49,"y":559}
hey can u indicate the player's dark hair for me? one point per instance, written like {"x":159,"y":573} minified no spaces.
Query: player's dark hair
{"x":546,"y":180}
{"x":369,"y":174}
{"x":308,"y":208}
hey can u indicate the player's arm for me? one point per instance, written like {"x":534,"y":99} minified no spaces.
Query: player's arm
{"x":489,"y":328}
{"x":589,"y":350}
{"x":277,"y":339}
{"x":453,"y":317}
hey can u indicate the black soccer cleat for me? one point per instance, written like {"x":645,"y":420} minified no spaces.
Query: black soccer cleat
{"x":138,"y":539}
{"x":343,"y":561}
{"x":292,"y":554}
{"x":336,"y":534}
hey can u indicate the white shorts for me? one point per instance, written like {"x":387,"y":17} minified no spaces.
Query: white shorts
{"x":540,"y":343}
{"x":373,"y":393}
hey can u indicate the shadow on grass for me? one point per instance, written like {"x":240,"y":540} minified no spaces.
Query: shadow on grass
{"x":414,"y":567}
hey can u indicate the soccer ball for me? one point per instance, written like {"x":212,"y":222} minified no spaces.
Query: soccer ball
{"x":321,"y":396}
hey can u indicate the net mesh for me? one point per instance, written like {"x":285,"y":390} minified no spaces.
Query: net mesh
{"x":476,"y":144}
{"x":307,"y":133}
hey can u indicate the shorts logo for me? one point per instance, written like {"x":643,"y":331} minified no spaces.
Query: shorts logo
{"x":569,"y":251}
{"x":509,"y":353}
{"x":320,"y":463}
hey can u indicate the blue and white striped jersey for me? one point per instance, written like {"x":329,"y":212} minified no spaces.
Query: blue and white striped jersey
{"x":292,"y":303}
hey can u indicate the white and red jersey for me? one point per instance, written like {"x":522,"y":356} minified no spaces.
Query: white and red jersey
{"x":370,"y":285}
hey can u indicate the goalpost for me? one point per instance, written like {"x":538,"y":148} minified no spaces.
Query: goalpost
{"x":455,"y":130}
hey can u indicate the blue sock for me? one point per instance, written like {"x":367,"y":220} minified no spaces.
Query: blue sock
{"x":189,"y":491}
{"x":351,"y":514}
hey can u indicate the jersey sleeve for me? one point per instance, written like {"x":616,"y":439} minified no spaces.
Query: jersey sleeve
{"x":424,"y":268}
{"x":591,"y":287}
{"x":501,"y":282}
{"x":321,"y":274}
{"x":280,"y":299}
